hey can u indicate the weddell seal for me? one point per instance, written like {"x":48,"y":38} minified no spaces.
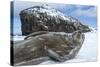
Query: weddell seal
{"x":41,"y":46}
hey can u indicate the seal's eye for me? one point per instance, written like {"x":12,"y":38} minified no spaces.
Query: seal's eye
{"x":80,"y":31}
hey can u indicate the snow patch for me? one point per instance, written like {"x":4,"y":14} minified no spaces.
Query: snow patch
{"x":49,"y":11}
{"x":18,"y":38}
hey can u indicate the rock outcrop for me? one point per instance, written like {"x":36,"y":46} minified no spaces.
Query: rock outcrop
{"x":41,"y":46}
{"x":44,"y":18}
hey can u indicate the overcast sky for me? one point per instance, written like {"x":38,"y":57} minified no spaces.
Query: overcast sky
{"x":87,"y":14}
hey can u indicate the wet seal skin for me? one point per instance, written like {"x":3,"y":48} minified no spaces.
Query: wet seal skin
{"x":41,"y":46}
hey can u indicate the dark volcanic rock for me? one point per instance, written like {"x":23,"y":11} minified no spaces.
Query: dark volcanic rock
{"x":44,"y":18}
{"x":41,"y":46}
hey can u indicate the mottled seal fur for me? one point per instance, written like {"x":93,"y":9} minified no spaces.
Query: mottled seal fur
{"x":41,"y":46}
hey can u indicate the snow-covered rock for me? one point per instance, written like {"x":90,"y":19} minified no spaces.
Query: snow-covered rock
{"x":45,"y":18}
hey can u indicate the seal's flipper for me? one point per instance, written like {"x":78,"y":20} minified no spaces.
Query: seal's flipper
{"x":55,"y":56}
{"x":35,"y":34}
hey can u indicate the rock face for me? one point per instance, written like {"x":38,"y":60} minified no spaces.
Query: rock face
{"x":41,"y":46}
{"x":44,"y":18}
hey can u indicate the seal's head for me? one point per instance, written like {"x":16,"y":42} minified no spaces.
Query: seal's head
{"x":78,"y":37}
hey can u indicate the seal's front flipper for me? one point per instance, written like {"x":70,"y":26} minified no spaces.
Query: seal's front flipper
{"x":35,"y":34}
{"x":55,"y":56}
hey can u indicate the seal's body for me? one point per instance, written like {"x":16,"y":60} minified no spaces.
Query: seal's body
{"x":40,"y":46}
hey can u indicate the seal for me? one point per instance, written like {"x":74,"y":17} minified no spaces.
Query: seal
{"x":41,"y":46}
